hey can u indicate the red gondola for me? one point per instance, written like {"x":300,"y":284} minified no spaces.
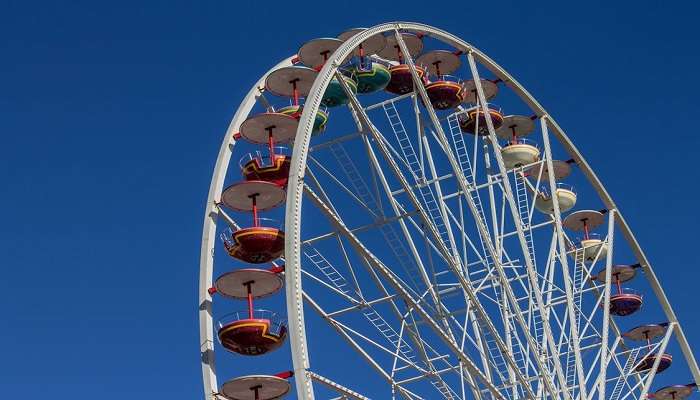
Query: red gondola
{"x":474,"y":119}
{"x":647,"y":333}
{"x":445,"y":91}
{"x":401,"y":81}
{"x":261,"y":332}
{"x":624,"y":304}
{"x":252,"y":332}
{"x":626,"y":301}
{"x":648,"y":362}
{"x":274,"y":168}
{"x":268,"y":129}
{"x":256,"y":244}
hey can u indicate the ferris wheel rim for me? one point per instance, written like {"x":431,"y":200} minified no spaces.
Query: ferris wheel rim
{"x":211,"y":214}
{"x":298,"y":163}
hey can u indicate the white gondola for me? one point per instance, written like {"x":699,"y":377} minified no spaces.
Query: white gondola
{"x":519,"y":153}
{"x":594,"y":248}
{"x":566,"y":196}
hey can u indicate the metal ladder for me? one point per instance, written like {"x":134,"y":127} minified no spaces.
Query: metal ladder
{"x":620,"y":384}
{"x":340,"y":283}
{"x":445,"y":390}
{"x":426,"y":193}
{"x":538,"y":327}
{"x":338,"y":387}
{"x":524,"y":210}
{"x":523,"y":200}
{"x":498,"y":362}
{"x":577,"y":292}
{"x":389,"y":333}
{"x":391,"y":237}
{"x":579,"y":273}
{"x":460,"y":148}
{"x":515,"y":348}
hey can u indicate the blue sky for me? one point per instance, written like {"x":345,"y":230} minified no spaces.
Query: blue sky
{"x":111,"y":115}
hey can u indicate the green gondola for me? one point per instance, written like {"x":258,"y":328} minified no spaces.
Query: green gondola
{"x":371,"y":79}
{"x":335,"y":95}
{"x":319,"y":122}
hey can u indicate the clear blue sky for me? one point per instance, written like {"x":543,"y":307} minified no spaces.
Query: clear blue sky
{"x":111,"y":114}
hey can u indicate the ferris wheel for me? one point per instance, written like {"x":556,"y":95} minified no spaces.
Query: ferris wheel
{"x":428,"y":243}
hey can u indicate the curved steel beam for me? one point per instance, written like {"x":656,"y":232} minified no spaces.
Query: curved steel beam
{"x":211,"y":215}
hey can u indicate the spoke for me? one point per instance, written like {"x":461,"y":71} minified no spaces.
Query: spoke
{"x":385,"y":272}
{"x":356,"y":346}
{"x":661,"y":350}
{"x":456,"y":269}
{"x":414,"y":335}
{"x":342,"y":186}
{"x":463,"y":184}
{"x":523,"y":243}
{"x":347,"y":393}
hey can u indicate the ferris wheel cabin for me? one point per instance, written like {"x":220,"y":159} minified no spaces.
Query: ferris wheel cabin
{"x":565,"y":193}
{"x":674,"y":392}
{"x":647,"y":333}
{"x":258,"y":243}
{"x":625,"y":301}
{"x":295,"y":82}
{"x":269,"y":128}
{"x":445,"y":91}
{"x":257,"y":387}
{"x":473,"y":119}
{"x":401,"y":81}
{"x":591,"y":247}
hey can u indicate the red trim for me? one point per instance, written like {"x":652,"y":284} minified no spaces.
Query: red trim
{"x":285,"y":374}
{"x":271,"y":143}
{"x":626,"y":296}
{"x":277,"y":270}
{"x":248,"y":286}
{"x":295,"y":92}
{"x":256,"y":222}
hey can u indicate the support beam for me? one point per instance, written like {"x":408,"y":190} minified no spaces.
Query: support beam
{"x":606,"y":306}
{"x":559,"y":231}
{"x":659,"y":352}
{"x":386,"y":273}
{"x":534,"y":284}
{"x":462,"y":182}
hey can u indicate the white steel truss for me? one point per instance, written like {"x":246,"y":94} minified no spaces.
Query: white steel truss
{"x":424,"y":256}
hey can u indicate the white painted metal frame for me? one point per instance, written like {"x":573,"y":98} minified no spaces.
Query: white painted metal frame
{"x":293,"y":245}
